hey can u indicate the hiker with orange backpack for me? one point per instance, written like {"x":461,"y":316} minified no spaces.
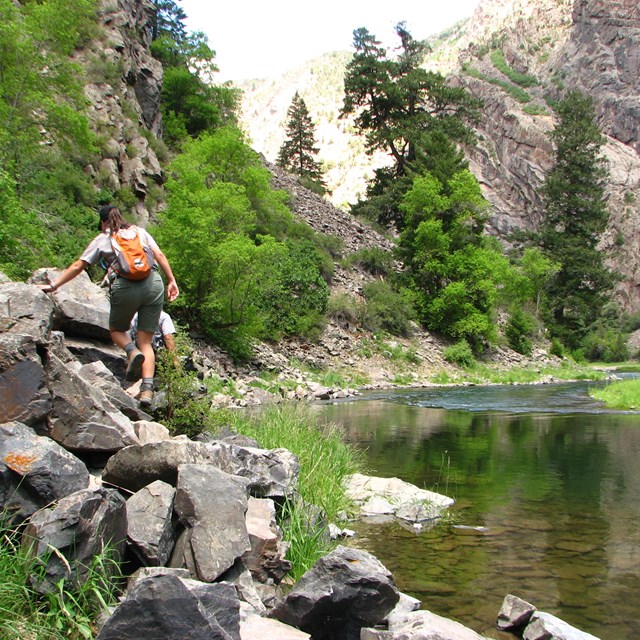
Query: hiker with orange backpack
{"x":136,"y":286}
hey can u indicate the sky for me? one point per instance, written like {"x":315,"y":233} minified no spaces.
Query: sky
{"x":261,"y":38}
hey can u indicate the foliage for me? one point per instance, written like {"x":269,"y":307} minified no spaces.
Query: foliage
{"x":519,"y":330}
{"x":605,"y":344}
{"x":70,"y":611}
{"x":375,"y":260}
{"x":325,"y":460}
{"x":168,"y":20}
{"x":517,"y":93}
{"x":246,"y":269}
{"x":408,"y":112}
{"x":460,"y":353}
{"x":45,"y":137}
{"x":298,"y":150}
{"x":624,"y":394}
{"x":576,"y":215}
{"x":387,"y":309}
{"x":453,"y":270}
{"x":522,"y":79}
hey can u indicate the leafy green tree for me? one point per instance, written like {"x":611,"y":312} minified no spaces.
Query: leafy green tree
{"x":298,"y":150}
{"x":453,"y":269}
{"x":576,"y":216}
{"x":168,"y":20}
{"x":408,"y":112}
{"x":224,"y":231}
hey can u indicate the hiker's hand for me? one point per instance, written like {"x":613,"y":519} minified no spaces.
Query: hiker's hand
{"x":47,"y":288}
{"x":172,"y":291}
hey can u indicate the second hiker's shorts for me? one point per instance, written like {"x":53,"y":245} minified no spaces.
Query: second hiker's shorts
{"x":144,"y":296}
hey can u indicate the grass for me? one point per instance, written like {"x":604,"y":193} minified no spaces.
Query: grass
{"x":325,"y":459}
{"x":481,"y":374}
{"x":68,"y":612}
{"x":521,"y":79}
{"x":513,"y":90}
{"x":624,"y":394}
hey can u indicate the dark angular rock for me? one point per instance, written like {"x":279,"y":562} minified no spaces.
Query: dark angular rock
{"x":211,"y":505}
{"x":164,"y":607}
{"x":343,"y":592}
{"x":24,"y":396}
{"x":78,"y":527}
{"x":136,"y":466}
{"x":35,"y":471}
{"x":515,"y":613}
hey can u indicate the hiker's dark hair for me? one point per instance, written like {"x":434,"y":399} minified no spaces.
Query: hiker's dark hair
{"x":113,"y":217}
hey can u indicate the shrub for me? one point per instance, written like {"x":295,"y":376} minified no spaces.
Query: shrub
{"x":557,"y":348}
{"x":605,"y":345}
{"x":387,"y":309}
{"x":375,"y":260}
{"x":460,"y":353}
{"x":344,"y":308}
{"x":519,"y":330}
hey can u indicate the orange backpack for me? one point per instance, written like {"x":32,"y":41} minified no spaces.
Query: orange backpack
{"x":134,"y":260}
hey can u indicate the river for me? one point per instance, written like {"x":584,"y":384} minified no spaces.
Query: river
{"x":547,"y":490}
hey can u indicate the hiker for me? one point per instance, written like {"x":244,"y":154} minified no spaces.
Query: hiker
{"x":163,"y":335}
{"x":136,"y":285}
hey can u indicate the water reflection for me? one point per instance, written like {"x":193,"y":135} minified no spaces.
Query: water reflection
{"x":549,"y":502}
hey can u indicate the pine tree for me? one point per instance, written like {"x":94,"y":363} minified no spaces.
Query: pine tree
{"x":576,"y":216}
{"x":298,"y":150}
{"x":168,"y":20}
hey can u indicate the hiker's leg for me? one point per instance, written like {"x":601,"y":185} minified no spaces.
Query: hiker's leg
{"x":144,"y":344}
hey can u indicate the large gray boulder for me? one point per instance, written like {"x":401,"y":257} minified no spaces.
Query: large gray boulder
{"x":149,"y":526}
{"x":35,"y":471}
{"x":421,"y":625}
{"x":343,"y":592}
{"x":256,"y":627}
{"x":24,"y":396}
{"x":211,"y":504}
{"x":544,"y":626}
{"x":514,"y":614}
{"x":88,"y":351}
{"x":271,"y":473}
{"x":137,"y":466}
{"x":166,"y":607}
{"x":77,"y":529}
{"x":81,"y":307}
{"x":83,"y":419}
{"x":26,"y":310}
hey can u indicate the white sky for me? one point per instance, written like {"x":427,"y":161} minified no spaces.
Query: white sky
{"x":262,"y":38}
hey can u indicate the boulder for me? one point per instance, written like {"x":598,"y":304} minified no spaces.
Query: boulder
{"x":271,"y":473}
{"x":255,"y":627}
{"x":88,"y":351}
{"x":136,"y":466}
{"x":149,"y":527}
{"x":84,"y":420}
{"x":514,"y":614}
{"x":81,"y":307}
{"x":24,"y":396}
{"x":35,"y":471}
{"x":343,"y":592}
{"x":78,"y":529}
{"x":166,"y":607}
{"x":26,"y":310}
{"x":149,"y":431}
{"x":544,"y":626}
{"x":266,"y":559}
{"x":393,"y":496}
{"x":421,"y":625}
{"x":211,"y":504}
{"x":100,"y":377}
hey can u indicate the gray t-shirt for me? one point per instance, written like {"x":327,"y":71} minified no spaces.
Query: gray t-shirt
{"x":100,"y":247}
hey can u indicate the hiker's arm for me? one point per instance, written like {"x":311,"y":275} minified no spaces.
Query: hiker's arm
{"x":170,"y":344}
{"x":73,"y":270}
{"x":172,"y":287}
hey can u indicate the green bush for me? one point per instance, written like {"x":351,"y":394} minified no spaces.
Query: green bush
{"x":387,"y":309}
{"x":605,"y":345}
{"x":519,"y":330}
{"x":557,"y":348}
{"x":375,"y":260}
{"x":344,"y":308}
{"x":499,"y":62}
{"x":460,"y":353}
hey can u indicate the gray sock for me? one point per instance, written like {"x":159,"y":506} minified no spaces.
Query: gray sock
{"x":128,"y":348}
{"x":147,"y":384}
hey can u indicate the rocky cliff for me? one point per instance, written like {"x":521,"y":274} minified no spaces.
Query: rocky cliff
{"x":591,"y":45}
{"x":123,"y":86}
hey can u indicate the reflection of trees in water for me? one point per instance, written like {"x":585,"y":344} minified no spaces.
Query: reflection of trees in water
{"x":559,"y":495}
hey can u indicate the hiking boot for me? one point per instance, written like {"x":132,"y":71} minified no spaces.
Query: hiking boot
{"x":134,"y":368}
{"x":146,"y":397}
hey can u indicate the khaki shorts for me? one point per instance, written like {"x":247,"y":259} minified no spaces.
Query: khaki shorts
{"x":144,"y":296}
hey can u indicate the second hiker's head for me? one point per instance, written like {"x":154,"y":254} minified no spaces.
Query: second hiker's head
{"x":110,"y":218}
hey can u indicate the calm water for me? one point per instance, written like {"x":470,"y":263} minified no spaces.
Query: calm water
{"x":547,"y":490}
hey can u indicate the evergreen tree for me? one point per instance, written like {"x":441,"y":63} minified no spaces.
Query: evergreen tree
{"x":297,"y":151}
{"x":168,"y":20}
{"x":408,"y":112}
{"x":576,"y":216}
